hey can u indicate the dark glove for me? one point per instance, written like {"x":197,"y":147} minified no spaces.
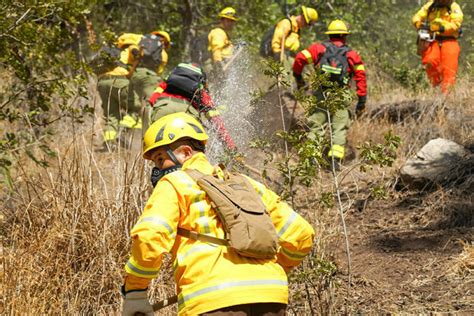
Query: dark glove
{"x":299,"y":81}
{"x":276,"y":56}
{"x":135,"y":52}
{"x":360,"y":107}
{"x":241,"y":44}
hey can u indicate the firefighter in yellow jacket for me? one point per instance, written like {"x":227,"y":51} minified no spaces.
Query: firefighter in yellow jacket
{"x":443,"y":19}
{"x":210,"y":278}
{"x":123,"y":88}
{"x":219,"y":43}
{"x":286,"y":36}
{"x":119,"y":102}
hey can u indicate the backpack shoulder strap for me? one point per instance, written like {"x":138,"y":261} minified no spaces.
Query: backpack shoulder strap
{"x":196,"y":175}
{"x":434,"y":6}
{"x":327,"y":43}
{"x":291,"y":26}
{"x":201,"y":237}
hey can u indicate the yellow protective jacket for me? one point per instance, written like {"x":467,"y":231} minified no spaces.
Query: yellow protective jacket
{"x":291,"y":33}
{"x":210,"y":276}
{"x":219,"y":44}
{"x":164,"y":62}
{"x":126,"y":60}
{"x":451,"y":18}
{"x":129,"y":43}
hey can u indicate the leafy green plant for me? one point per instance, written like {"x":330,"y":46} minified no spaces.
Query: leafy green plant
{"x":44,"y":77}
{"x":383,"y":155}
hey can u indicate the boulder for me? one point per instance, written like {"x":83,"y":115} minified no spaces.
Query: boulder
{"x":437,"y":162}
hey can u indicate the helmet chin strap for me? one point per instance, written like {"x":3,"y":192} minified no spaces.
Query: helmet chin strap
{"x":173,"y":157}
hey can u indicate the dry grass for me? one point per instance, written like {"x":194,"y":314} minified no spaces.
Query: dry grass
{"x":464,"y":263}
{"x":65,"y":228}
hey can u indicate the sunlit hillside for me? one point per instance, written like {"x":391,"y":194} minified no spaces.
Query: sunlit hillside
{"x":68,"y":201}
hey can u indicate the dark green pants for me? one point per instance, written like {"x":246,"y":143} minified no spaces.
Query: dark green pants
{"x":117,"y":96}
{"x":167,"y":105}
{"x":144,"y":82}
{"x":339,"y":121}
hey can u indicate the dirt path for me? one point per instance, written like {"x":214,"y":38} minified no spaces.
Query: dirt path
{"x":406,"y":256}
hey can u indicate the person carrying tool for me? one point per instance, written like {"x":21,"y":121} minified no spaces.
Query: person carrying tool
{"x":341,"y":64}
{"x":286,"y":37}
{"x":442,"y":19}
{"x":180,"y":218}
{"x":219,"y":43}
{"x":122,"y":88}
{"x":282,"y":41}
{"x":185,"y":90}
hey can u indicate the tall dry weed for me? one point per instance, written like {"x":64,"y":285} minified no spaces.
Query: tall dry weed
{"x":66,"y":229}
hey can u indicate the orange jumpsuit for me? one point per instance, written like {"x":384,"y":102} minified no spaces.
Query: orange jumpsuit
{"x":441,"y":57}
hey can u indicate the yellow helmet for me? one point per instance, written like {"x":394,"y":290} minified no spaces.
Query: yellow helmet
{"x":165,"y":35}
{"x":228,"y":13}
{"x":310,"y":15}
{"x":337,"y":27}
{"x":171,"y":128}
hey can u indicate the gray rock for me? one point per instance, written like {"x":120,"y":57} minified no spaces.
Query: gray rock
{"x":435,"y":163}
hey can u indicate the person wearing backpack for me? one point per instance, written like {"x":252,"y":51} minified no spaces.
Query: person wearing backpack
{"x":122,"y":88}
{"x":282,"y":41}
{"x":182,"y":217}
{"x":219,"y":44}
{"x":287,"y":30}
{"x":166,"y":40}
{"x":152,"y":62}
{"x":120,"y":103}
{"x":443,"y":19}
{"x":341,"y":64}
{"x":185,"y":90}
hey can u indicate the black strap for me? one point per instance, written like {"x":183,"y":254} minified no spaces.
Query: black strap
{"x":201,"y":237}
{"x":436,"y":6}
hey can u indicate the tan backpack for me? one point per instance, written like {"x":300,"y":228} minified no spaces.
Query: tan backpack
{"x":247,"y":224}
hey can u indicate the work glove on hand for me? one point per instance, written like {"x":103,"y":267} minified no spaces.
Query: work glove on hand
{"x":136,"y":302}
{"x":300,"y":83}
{"x":360,"y":107}
{"x":437,"y":25}
{"x":276,"y":56}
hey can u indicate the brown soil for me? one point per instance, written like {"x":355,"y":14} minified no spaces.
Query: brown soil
{"x":404,"y":254}
{"x":405,"y":250}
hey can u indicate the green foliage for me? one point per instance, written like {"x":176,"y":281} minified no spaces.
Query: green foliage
{"x":327,"y":200}
{"x":276,"y":71}
{"x":380,"y":154}
{"x":378,"y":192}
{"x":42,"y":74}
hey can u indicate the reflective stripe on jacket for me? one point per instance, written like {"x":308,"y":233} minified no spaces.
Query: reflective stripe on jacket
{"x":164,"y":62}
{"x":451,"y":20}
{"x":219,"y":44}
{"x":291,"y":33}
{"x":209,"y":276}
{"x":315,"y":52}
